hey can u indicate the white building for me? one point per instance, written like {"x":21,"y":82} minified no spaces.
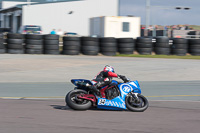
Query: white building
{"x":68,"y":15}
{"x":115,"y":26}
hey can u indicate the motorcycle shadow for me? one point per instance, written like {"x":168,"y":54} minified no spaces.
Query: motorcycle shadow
{"x":60,"y":107}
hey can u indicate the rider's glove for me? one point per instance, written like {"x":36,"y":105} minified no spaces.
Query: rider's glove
{"x":122,"y":77}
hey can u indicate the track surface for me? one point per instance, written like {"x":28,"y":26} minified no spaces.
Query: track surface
{"x":51,"y":116}
{"x":171,"y":85}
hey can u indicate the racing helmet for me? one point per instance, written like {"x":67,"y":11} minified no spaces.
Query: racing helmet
{"x":109,"y":68}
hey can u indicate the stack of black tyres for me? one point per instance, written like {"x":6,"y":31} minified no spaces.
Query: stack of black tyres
{"x":2,"y":46}
{"x":15,"y":43}
{"x":34,"y":44}
{"x":71,"y":45}
{"x":194,"y":46}
{"x":108,"y":46}
{"x":161,"y":46}
{"x":89,"y":45}
{"x":144,"y":45}
{"x":51,"y":44}
{"x":125,"y":45}
{"x":179,"y":46}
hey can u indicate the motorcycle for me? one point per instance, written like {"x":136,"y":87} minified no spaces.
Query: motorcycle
{"x":115,"y":96}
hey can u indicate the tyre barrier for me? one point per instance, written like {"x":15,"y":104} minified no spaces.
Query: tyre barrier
{"x":2,"y":46}
{"x":194,"y":46}
{"x":51,"y":44}
{"x":15,"y":43}
{"x":125,"y":45}
{"x":71,"y":45}
{"x":34,"y":44}
{"x":108,"y":46}
{"x":144,"y":45}
{"x":161,"y":46}
{"x":179,"y":46}
{"x":89,"y":45}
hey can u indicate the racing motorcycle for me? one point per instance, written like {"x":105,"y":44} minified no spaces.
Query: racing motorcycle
{"x":115,"y":96}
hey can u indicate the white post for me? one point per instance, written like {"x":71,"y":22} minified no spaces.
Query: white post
{"x":118,"y":7}
{"x":28,"y":2}
{"x":147,"y":15}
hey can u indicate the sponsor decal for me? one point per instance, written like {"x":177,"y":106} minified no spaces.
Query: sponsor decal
{"x":126,"y":88}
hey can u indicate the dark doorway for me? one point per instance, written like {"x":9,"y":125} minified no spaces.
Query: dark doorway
{"x":11,"y":21}
{"x":19,"y":22}
{"x":5,"y":17}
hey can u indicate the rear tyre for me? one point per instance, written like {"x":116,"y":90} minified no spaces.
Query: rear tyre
{"x":15,"y":51}
{"x":34,"y":37}
{"x":70,"y":52}
{"x":51,"y":37}
{"x":136,"y":107}
{"x":15,"y":46}
{"x":77,"y":104}
{"x":34,"y":51}
{"x":15,"y":36}
{"x":109,"y":53}
{"x":53,"y":52}
{"x":2,"y":51}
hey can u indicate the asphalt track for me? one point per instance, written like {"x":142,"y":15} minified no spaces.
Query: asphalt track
{"x":33,"y":89}
{"x":51,"y":116}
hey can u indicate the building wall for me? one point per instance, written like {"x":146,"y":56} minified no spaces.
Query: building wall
{"x":57,"y":15}
{"x":97,"y":26}
{"x":112,"y":26}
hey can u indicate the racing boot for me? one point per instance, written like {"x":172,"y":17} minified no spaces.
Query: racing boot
{"x":97,"y":92}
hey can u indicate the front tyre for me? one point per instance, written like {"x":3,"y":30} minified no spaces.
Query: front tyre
{"x":76,"y":103}
{"x":137,"y":106}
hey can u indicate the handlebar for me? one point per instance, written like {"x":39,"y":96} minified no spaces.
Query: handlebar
{"x":126,"y":80}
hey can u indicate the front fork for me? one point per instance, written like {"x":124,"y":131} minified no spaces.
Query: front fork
{"x":135,"y":97}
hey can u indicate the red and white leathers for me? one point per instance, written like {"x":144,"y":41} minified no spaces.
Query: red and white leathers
{"x":103,"y":78}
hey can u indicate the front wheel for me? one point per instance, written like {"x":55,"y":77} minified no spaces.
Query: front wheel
{"x":139,"y":105}
{"x":76,"y":103}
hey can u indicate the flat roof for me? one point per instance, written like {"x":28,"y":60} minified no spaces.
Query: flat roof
{"x":10,"y":9}
{"x":40,"y":1}
{"x":18,"y":7}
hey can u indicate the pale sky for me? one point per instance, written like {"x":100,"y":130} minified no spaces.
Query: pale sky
{"x":169,"y":16}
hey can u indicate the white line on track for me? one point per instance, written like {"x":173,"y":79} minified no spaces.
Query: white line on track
{"x":56,"y":97}
{"x":175,"y":96}
{"x":174,"y":100}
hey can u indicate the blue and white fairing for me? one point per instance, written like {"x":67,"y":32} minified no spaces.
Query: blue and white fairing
{"x":125,"y":88}
{"x":76,"y":81}
{"x":119,"y":102}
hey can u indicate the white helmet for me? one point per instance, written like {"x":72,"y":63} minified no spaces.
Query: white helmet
{"x":108,"y":68}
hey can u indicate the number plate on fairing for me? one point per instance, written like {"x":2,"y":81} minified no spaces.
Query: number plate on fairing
{"x":116,"y":103}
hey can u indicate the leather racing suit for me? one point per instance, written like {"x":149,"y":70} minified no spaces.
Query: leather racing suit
{"x":103,"y":78}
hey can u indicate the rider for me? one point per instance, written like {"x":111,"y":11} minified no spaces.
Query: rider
{"x":104,"y":78}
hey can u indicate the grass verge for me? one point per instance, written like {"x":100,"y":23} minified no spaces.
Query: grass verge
{"x":161,"y":56}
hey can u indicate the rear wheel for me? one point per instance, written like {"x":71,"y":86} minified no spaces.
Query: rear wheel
{"x":76,"y":103}
{"x":137,"y":106}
